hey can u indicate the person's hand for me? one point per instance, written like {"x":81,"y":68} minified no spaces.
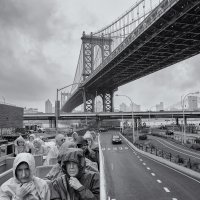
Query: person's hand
{"x":23,"y":191}
{"x":74,"y":183}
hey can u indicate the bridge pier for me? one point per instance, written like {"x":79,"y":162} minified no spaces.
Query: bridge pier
{"x":107,"y":98}
{"x":52,"y":123}
{"x":177,"y":121}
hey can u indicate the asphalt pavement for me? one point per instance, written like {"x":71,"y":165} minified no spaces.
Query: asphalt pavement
{"x":132,"y":176}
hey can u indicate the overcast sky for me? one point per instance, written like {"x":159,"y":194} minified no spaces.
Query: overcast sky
{"x":40,"y":44}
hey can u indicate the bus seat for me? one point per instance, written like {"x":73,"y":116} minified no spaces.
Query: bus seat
{"x":42,"y":171}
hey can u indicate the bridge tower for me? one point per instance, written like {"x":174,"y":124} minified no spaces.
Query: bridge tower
{"x":89,"y":42}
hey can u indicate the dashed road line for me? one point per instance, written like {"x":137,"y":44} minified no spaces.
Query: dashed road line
{"x":159,"y":181}
{"x":144,"y":163}
{"x":108,"y":149}
{"x":166,"y":189}
{"x":153,"y":174}
{"x":174,"y":199}
{"x":148,"y":168}
{"x":141,"y":160}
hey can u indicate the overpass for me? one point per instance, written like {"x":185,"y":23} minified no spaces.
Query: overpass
{"x":113,"y":115}
{"x":147,"y":38}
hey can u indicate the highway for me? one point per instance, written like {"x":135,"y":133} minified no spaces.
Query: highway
{"x":174,"y":148}
{"x":130,"y":175}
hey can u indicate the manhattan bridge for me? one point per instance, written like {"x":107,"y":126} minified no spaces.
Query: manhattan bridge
{"x":150,"y":36}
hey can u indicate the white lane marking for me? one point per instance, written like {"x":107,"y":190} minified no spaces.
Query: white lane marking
{"x":108,"y":198}
{"x":166,"y":189}
{"x":141,"y":160}
{"x":177,"y":150}
{"x":159,"y":181}
{"x":174,"y":199}
{"x":127,"y":148}
{"x":148,"y":168}
{"x":112,"y":166}
{"x":152,"y":174}
{"x":144,"y":163}
{"x":172,"y":169}
{"x":108,"y":149}
{"x":138,"y":156}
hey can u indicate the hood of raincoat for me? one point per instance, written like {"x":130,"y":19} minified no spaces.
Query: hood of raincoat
{"x":24,"y":157}
{"x":20,"y":139}
{"x":32,"y":135}
{"x":81,"y":140}
{"x":38,"y":186}
{"x":38,"y":141}
{"x":88,"y":135}
{"x":64,"y":148}
{"x":74,"y":155}
{"x":74,"y":135}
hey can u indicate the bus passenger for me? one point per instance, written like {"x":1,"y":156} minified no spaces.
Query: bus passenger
{"x":24,"y":185}
{"x":54,"y":150}
{"x":93,"y":148}
{"x":20,"y":146}
{"x":76,"y":183}
{"x":56,"y":170}
{"x":83,"y":144}
{"x":39,"y":148}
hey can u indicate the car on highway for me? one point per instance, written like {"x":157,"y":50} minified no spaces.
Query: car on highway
{"x":116,"y":139}
{"x":102,"y":129}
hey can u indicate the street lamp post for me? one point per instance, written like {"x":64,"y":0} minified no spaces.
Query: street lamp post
{"x":183,"y":107}
{"x":57,"y":108}
{"x":131,"y":114}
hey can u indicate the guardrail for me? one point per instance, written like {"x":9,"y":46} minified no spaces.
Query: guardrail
{"x":102,"y":174}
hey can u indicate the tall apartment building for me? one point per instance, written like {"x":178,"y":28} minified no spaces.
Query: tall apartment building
{"x":160,"y":106}
{"x":192,"y":103}
{"x":48,"y":106}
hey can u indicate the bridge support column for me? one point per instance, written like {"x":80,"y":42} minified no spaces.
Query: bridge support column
{"x":177,"y":121}
{"x":107,"y":98}
{"x":98,"y":121}
{"x":185,"y":120}
{"x":88,"y":101}
{"x":52,"y":123}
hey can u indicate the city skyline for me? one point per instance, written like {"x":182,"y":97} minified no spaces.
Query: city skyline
{"x":40,"y":44}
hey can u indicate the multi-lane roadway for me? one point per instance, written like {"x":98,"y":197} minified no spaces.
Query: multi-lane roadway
{"x":132,"y":176}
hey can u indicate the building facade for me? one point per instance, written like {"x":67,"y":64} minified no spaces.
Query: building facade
{"x":48,"y":106}
{"x":192,"y":103}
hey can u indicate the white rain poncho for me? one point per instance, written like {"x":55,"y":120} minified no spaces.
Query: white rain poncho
{"x":23,"y":148}
{"x":39,"y":187}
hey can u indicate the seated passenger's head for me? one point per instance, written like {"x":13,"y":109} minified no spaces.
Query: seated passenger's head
{"x":37,"y":143}
{"x":60,"y":139}
{"x":74,"y":136}
{"x":20,"y":141}
{"x":32,"y":137}
{"x":24,"y":167}
{"x":64,"y":148}
{"x":81,"y":143}
{"x":89,"y":138}
{"x":73,"y":163}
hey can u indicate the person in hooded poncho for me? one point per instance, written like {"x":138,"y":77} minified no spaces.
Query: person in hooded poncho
{"x":56,"y":170}
{"x":20,"y":146}
{"x":92,"y":152}
{"x":54,"y":150}
{"x":24,"y":185}
{"x":83,"y":144}
{"x":30,"y":142}
{"x":39,"y":148}
{"x":76,"y":183}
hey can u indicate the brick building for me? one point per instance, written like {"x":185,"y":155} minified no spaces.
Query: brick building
{"x":11,"y":116}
